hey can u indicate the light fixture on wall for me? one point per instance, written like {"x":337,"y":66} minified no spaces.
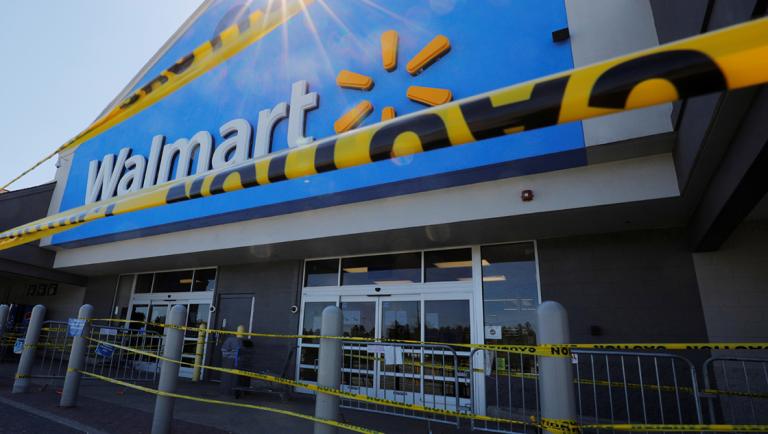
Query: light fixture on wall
{"x":526,"y":195}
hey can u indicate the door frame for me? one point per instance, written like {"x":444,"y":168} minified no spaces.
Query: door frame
{"x":419,"y":292}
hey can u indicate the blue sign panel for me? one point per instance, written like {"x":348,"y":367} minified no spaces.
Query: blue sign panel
{"x":290,"y":87}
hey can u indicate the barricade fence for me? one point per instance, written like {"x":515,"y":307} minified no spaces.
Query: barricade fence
{"x":615,"y":390}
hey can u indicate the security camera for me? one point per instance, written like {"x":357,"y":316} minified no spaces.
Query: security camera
{"x":212,"y":309}
{"x":294,"y":309}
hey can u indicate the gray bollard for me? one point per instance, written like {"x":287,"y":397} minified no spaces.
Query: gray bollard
{"x":329,"y":369}
{"x":555,"y":373}
{"x":169,"y":371}
{"x":28,"y":354}
{"x":76,"y":359}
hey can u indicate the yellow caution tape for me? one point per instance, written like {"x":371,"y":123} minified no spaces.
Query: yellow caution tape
{"x":553,"y":425}
{"x":202,"y":59}
{"x":533,"y":350}
{"x":731,"y":58}
{"x":326,"y":390}
{"x":677,"y":427}
{"x":547,"y":350}
{"x":333,"y":423}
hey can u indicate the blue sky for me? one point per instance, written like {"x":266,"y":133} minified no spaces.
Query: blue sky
{"x":63,"y":62}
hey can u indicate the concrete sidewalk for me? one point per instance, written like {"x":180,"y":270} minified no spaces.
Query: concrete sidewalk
{"x":106,"y":408}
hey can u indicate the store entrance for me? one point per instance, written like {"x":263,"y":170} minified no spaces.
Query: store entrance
{"x":154,"y":308}
{"x":421,"y":374}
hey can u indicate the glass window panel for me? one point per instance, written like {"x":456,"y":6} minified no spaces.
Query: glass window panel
{"x":196,"y":315}
{"x":359,"y":319}
{"x":313,"y":318}
{"x":205,"y":280}
{"x":144,"y":283}
{"x":448,"y":265}
{"x":123,"y":295}
{"x":324,"y":272}
{"x":139,"y":313}
{"x":400,"y":320}
{"x":173,"y":281}
{"x":447,"y":321}
{"x":510,"y":293}
{"x":381,"y":269}
{"x":157,"y":314}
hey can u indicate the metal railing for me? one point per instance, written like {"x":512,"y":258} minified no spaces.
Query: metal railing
{"x":632,"y":387}
{"x":736,"y":390}
{"x":107,"y":359}
{"x":433,"y":376}
{"x":53,"y":348}
{"x":504,"y":385}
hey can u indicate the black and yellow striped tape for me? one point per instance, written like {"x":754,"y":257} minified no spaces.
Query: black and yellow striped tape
{"x":333,"y":423}
{"x":205,"y":57}
{"x":731,"y":58}
{"x":552,"y":425}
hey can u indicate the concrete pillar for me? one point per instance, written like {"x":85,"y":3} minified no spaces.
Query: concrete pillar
{"x":77,"y":359}
{"x":329,"y":369}
{"x":28,"y":354}
{"x":169,"y":371}
{"x":556,"y":393}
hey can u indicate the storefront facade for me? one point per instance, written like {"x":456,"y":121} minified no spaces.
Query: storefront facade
{"x":452,"y":245}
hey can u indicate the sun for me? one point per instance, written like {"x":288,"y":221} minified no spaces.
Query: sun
{"x":430,"y":96}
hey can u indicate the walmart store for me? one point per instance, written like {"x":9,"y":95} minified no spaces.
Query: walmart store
{"x":647,"y":226}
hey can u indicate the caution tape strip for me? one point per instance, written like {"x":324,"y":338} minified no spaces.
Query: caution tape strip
{"x":732,"y":58}
{"x":326,"y":390}
{"x":205,"y":57}
{"x":553,"y":425}
{"x":333,"y":423}
{"x":546,"y":350}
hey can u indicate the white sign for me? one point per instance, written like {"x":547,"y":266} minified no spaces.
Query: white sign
{"x":75,"y":326}
{"x":493,"y":332}
{"x":119,"y":174}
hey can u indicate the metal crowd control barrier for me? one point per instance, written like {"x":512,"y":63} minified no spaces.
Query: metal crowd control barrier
{"x":736,"y":390}
{"x":434,"y":376}
{"x":9,"y":338}
{"x":509,"y":386}
{"x":618,"y":387}
{"x":53,"y":350}
{"x":109,"y":361}
{"x":55,"y":345}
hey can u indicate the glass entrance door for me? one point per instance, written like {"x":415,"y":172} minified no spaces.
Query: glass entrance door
{"x":420,"y":374}
{"x":156,"y":311}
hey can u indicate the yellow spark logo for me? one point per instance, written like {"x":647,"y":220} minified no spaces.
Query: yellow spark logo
{"x":430,"y":96}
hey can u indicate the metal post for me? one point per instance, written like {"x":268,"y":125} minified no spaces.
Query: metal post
{"x":3,"y":319}
{"x":4,"y":343}
{"x":28,"y":354}
{"x":76,"y":359}
{"x":555,"y":373}
{"x":329,"y":369}
{"x":201,"y":331}
{"x":169,"y":371}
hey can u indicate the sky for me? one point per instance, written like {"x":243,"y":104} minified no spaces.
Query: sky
{"x":62,"y":64}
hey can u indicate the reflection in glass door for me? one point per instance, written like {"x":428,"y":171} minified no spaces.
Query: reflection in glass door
{"x":423,"y":375}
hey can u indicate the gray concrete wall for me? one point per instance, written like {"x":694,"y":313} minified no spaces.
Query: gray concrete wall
{"x":276,"y":288}
{"x":603,"y":29}
{"x":101,"y":294}
{"x":733,"y":282}
{"x":635,"y":286}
